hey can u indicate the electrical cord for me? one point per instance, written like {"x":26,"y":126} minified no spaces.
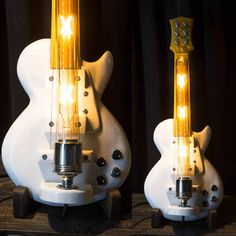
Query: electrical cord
{"x":139,"y":204}
{"x":140,"y":221}
{"x":6,"y":198}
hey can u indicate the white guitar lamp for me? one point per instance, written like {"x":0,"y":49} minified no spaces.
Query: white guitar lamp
{"x":65,"y":147}
{"x":183,"y":184}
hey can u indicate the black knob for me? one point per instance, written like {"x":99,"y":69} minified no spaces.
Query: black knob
{"x":101,"y":180}
{"x":117,"y":155}
{"x":101,"y":162}
{"x":205,"y":204}
{"x":115,"y":172}
{"x":214,"y":188}
{"x":214,"y":199}
{"x":204,"y":192}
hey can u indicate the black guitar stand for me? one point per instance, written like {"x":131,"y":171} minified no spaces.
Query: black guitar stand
{"x":23,"y":204}
{"x":157,"y":218}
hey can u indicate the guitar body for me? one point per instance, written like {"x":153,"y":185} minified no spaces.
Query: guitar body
{"x":28,"y":147}
{"x":159,"y":186}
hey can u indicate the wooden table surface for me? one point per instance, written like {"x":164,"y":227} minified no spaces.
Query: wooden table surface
{"x":141,"y":223}
{"x":90,"y":220}
{"x":47,"y":220}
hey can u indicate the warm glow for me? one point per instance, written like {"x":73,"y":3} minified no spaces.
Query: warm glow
{"x":65,"y":62}
{"x":66,"y":30}
{"x":182,"y":112}
{"x":66,"y":94}
{"x":182,"y":151}
{"x":182,"y":119}
{"x":181,"y":80}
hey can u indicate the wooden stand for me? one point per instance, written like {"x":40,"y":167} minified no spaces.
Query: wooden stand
{"x":21,"y":202}
{"x":111,"y":204}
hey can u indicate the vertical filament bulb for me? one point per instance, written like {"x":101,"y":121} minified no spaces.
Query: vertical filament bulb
{"x":183,"y":151}
{"x":182,"y":112}
{"x":66,"y":30}
{"x":66,"y":94}
{"x":181,"y":80}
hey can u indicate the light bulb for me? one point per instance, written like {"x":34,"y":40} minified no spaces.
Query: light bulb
{"x":65,"y":62}
{"x":66,"y":30}
{"x":66,"y":94}
{"x":182,"y":112}
{"x":181,"y":80}
{"x":182,"y":151}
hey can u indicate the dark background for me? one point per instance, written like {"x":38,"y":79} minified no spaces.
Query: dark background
{"x":140,"y":91}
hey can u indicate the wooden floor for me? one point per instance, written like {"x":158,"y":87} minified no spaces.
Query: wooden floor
{"x":90,"y":220}
{"x":141,"y":222}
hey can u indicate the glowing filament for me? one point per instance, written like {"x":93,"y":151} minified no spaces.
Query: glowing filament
{"x":182,"y":112}
{"x":183,"y":151}
{"x":66,"y":30}
{"x":181,"y":80}
{"x":66,"y":94}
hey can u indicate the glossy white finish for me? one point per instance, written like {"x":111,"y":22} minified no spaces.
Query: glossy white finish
{"x":159,"y":185}
{"x":29,"y":136}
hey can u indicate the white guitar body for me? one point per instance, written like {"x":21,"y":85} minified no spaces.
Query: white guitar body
{"x":159,"y":186}
{"x":28,"y":149}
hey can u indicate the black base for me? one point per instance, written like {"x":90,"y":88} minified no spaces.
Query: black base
{"x":211,"y":219}
{"x":23,"y":204}
{"x":111,"y":204}
{"x":157,"y":218}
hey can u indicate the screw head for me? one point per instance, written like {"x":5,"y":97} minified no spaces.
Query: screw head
{"x":85,"y":111}
{"x":44,"y":157}
{"x":51,"y":78}
{"x":51,"y":124}
{"x":78,"y":78}
{"x":86,"y":93}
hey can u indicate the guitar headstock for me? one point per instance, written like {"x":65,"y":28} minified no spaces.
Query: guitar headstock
{"x":181,"y":35}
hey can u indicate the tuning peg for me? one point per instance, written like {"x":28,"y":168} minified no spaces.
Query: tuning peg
{"x":176,"y":33}
{"x":176,"y":41}
{"x":185,"y":32}
{"x":177,"y":24}
{"x":185,"y":42}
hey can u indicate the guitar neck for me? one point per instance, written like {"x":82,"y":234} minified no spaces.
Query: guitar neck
{"x":182,"y":105}
{"x":181,"y":45}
